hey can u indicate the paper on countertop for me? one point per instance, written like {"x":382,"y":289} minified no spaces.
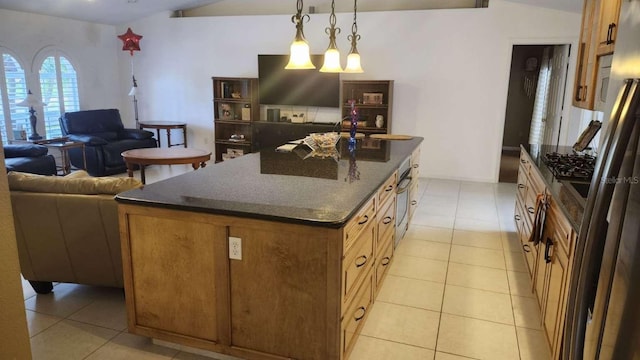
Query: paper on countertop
{"x":286,"y":147}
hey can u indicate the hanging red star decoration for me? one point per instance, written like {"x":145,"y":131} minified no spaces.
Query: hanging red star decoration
{"x":130,"y":41}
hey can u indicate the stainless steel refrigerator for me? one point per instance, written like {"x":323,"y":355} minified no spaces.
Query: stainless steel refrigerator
{"x":603,"y":307}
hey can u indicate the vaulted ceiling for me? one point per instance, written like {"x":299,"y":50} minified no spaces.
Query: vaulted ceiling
{"x":116,"y":12}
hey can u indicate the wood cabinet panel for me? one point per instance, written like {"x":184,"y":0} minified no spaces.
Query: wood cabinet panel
{"x":356,"y":315}
{"x":386,"y":221}
{"x":608,"y":26}
{"x":357,"y":262}
{"x":388,"y":189}
{"x":359,"y":222}
{"x":383,"y":261}
{"x":184,"y":303}
{"x":597,"y":38}
{"x":284,"y":271}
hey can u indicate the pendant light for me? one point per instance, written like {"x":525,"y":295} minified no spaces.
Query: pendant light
{"x":299,"y":57}
{"x":353,"y":59}
{"x":332,"y":55}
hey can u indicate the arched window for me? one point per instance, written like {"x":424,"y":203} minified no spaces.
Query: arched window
{"x":59,"y":89}
{"x":13,"y":89}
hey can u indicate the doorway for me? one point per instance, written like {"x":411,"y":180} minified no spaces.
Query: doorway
{"x":535,"y":99}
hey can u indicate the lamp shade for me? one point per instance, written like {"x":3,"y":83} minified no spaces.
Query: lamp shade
{"x":299,"y":58}
{"x":331,"y":61}
{"x":353,"y":63}
{"x":31,"y":101}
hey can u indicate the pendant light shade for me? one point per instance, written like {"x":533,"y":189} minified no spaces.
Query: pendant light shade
{"x":353,"y":59}
{"x":332,"y":55}
{"x":299,"y":53}
{"x":353,"y":63}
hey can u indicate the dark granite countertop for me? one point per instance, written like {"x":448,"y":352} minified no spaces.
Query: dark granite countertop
{"x":570,"y":203}
{"x":282,"y":186}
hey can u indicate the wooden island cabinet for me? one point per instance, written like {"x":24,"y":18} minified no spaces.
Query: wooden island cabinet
{"x":292,"y":289}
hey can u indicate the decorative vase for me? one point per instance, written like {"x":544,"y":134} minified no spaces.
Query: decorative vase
{"x":354,"y":125}
{"x":379,"y":121}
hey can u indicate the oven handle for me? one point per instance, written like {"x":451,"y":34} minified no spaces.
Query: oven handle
{"x":404,"y":185}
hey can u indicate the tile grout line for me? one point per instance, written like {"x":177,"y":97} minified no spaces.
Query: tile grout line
{"x":515,"y":327}
{"x":444,"y":290}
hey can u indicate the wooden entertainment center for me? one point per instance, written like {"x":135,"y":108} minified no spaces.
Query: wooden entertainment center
{"x":236,"y":108}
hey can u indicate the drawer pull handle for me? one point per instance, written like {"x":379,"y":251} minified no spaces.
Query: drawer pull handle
{"x":520,"y":186}
{"x":414,"y":202}
{"x":517,"y":217}
{"x":389,"y":188}
{"x":361,"y":260}
{"x":360,"y":309}
{"x":523,"y":161}
{"x":366,"y":218}
{"x":415,"y":166}
{"x":385,"y":261}
{"x":526,"y":248}
{"x":387,"y":220}
{"x":531,"y":210}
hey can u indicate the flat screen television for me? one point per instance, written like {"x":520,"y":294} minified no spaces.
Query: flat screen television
{"x":296,"y":87}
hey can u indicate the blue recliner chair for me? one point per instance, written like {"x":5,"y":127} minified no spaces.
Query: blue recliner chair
{"x":104,"y":137}
{"x":29,"y":158}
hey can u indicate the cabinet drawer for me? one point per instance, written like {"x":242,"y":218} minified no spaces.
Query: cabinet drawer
{"x":386,"y":219}
{"x":383,"y":261}
{"x":530,"y":251}
{"x":522,"y":182}
{"x":525,"y":161}
{"x":536,"y":184}
{"x":530,"y":205}
{"x":387,"y":189}
{"x":355,"y":315}
{"x":415,"y":164}
{"x":357,"y":262}
{"x":355,"y":226}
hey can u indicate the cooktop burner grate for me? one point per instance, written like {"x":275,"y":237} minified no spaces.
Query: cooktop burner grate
{"x":570,"y":166}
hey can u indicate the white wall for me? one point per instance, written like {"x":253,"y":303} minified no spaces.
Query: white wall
{"x":92,"y":48}
{"x":451,"y":70}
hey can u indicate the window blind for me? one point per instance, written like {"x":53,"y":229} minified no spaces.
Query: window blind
{"x":14,"y":90}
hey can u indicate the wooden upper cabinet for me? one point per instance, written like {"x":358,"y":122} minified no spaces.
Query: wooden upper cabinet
{"x":585,"y":74}
{"x":608,"y":26}
{"x":597,"y":38}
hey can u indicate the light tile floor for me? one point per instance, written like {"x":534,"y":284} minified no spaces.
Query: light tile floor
{"x":457,"y":289}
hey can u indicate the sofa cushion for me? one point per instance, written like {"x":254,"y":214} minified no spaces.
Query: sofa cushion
{"x":71,"y":185}
{"x":24,"y":150}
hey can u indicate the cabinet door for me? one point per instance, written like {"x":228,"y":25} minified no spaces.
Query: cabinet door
{"x":586,"y":57}
{"x":557,"y":269}
{"x":608,"y":26}
{"x":293,"y":271}
{"x":193,"y":252}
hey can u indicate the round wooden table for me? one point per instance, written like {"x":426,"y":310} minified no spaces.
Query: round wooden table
{"x":166,"y":125}
{"x":164,"y":156}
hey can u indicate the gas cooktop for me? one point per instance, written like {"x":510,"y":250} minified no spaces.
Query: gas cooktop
{"x":570,"y":166}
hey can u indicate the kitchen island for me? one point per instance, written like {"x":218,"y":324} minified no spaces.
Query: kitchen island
{"x":267,"y":256}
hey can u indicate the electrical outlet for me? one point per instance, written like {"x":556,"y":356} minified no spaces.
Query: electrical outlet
{"x":235,"y":248}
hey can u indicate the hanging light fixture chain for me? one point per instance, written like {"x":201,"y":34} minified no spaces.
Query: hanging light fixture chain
{"x":332,"y":30}
{"x":354,"y":37}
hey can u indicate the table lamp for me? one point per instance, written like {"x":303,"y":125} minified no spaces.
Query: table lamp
{"x":30,"y":102}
